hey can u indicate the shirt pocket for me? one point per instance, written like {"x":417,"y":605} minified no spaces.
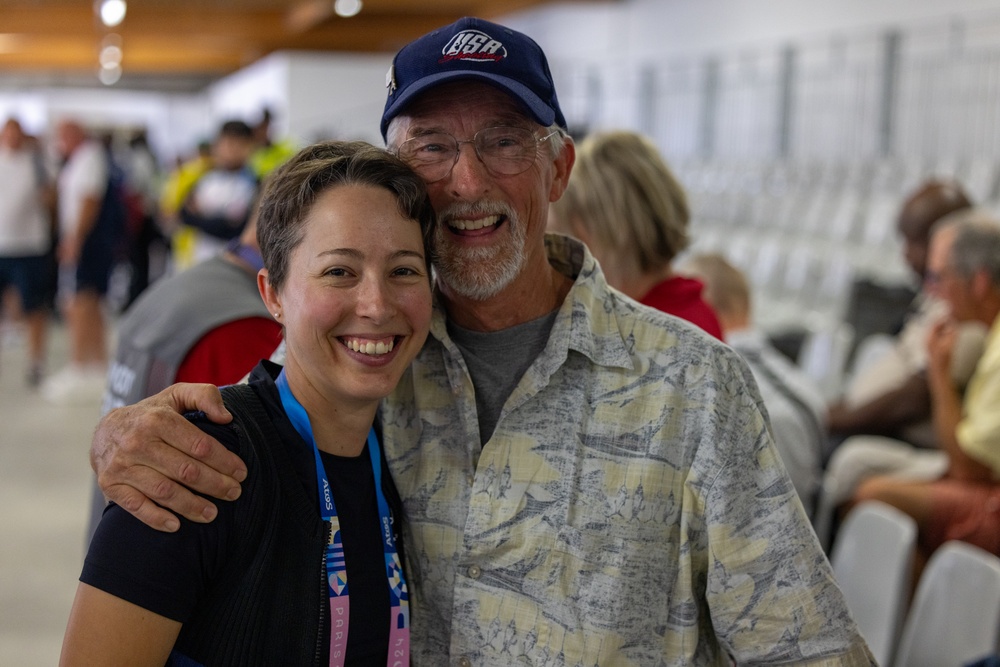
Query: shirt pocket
{"x":612,"y":578}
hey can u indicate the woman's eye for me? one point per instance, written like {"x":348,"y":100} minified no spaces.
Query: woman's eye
{"x":336,"y":273}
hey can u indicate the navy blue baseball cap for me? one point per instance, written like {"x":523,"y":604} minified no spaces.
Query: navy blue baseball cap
{"x":472,"y":48}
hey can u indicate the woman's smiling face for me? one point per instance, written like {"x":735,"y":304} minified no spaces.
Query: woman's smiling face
{"x":356,"y":302}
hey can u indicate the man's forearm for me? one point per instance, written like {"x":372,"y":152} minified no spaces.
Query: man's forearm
{"x":947,"y":411}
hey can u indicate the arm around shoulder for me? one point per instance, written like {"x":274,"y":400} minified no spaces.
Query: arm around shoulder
{"x":147,"y":456}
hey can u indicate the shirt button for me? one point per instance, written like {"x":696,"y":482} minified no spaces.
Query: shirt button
{"x":464,"y":662}
{"x":471,"y":480}
{"x":474,"y":571}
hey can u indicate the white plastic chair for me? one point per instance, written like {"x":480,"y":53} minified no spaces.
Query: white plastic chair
{"x":955,"y":615}
{"x":871,"y":349}
{"x":872,"y":560}
{"x":823,"y":356}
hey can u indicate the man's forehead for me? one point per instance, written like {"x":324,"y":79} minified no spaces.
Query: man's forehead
{"x":940,"y":245}
{"x":466,"y":100}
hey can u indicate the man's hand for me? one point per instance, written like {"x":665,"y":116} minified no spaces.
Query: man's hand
{"x":940,"y":346}
{"x":147,"y":456}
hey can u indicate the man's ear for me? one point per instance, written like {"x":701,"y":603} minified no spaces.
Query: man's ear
{"x":267,"y":292}
{"x":563,"y":166}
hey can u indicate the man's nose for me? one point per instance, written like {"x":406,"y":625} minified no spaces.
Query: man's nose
{"x":469,"y":177}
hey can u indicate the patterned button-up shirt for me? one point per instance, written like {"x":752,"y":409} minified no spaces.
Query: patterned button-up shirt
{"x":629,"y":509}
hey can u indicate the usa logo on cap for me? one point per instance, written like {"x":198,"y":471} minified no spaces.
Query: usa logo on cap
{"x":473,"y":45}
{"x":472,"y":48}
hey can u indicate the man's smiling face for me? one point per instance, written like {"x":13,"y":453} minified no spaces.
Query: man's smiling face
{"x":489,"y":226}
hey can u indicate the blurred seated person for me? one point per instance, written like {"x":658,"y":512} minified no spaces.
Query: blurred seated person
{"x":890,"y":397}
{"x":863,"y":455}
{"x":795,"y":405}
{"x":219,"y":203}
{"x":964,"y":503}
{"x":626,"y":205}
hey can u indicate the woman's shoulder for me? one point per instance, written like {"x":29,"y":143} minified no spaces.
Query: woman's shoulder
{"x":227,"y":434}
{"x":250,"y":419}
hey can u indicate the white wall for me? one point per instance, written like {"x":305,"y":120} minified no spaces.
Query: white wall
{"x":244,"y":94}
{"x":337,"y":96}
{"x":597,"y":51}
{"x":313,"y":96}
{"x":175,"y":122}
{"x":632,"y":29}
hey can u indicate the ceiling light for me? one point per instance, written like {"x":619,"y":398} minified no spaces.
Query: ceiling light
{"x":347,"y":8}
{"x":112,"y":12}
{"x":109,"y":75}
{"x":111,"y":56}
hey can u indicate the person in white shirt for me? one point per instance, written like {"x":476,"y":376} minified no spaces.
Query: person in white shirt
{"x":88,"y":234}
{"x":26,"y":236}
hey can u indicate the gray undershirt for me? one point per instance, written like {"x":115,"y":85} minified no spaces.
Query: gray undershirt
{"x":496,"y":362}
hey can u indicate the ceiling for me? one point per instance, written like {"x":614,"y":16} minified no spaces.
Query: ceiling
{"x":183,"y":45}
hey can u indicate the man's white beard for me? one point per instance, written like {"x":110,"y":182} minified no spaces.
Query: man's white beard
{"x":479,"y":273}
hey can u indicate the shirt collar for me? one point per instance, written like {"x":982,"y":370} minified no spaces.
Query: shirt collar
{"x":587,"y":321}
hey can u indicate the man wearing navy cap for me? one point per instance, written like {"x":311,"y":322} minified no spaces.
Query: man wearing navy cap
{"x":586,"y":481}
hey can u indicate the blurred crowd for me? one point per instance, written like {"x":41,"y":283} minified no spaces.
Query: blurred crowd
{"x":90,"y":217}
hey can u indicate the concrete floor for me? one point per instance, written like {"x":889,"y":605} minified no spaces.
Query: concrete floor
{"x":45,"y":494}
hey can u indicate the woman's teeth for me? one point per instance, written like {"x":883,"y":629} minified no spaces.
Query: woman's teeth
{"x":370,"y":347}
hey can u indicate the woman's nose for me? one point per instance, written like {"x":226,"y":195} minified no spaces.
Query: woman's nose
{"x":374,"y":300}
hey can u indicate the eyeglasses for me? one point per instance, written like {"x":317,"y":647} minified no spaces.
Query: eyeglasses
{"x":505,"y":151}
{"x":935,"y":278}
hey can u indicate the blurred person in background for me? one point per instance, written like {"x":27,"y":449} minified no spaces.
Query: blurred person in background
{"x":26,"y":199}
{"x":91,"y":231}
{"x":269,"y":153}
{"x":887,"y":406}
{"x":963,"y":270}
{"x":794,"y":403}
{"x":219,"y":202}
{"x":626,"y":205}
{"x":178,"y":184}
{"x":890,"y":397}
{"x":144,"y":183}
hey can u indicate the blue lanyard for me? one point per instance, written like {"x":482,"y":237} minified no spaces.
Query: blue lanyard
{"x":334,"y":559}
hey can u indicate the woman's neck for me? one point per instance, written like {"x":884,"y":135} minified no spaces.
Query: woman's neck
{"x":638,"y":286}
{"x":339,"y":427}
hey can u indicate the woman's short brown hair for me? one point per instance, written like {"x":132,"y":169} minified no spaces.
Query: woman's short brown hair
{"x":292,"y":189}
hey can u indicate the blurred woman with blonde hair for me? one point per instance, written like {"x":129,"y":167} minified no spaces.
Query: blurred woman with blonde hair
{"x":626,"y":205}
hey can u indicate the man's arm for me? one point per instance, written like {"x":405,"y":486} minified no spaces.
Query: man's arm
{"x":71,"y":245}
{"x":947,"y":405}
{"x":147,"y":456}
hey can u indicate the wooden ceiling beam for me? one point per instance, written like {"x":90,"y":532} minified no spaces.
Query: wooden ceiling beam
{"x":218,"y":37}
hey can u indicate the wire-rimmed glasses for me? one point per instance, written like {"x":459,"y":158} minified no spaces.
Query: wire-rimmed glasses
{"x":505,"y":151}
